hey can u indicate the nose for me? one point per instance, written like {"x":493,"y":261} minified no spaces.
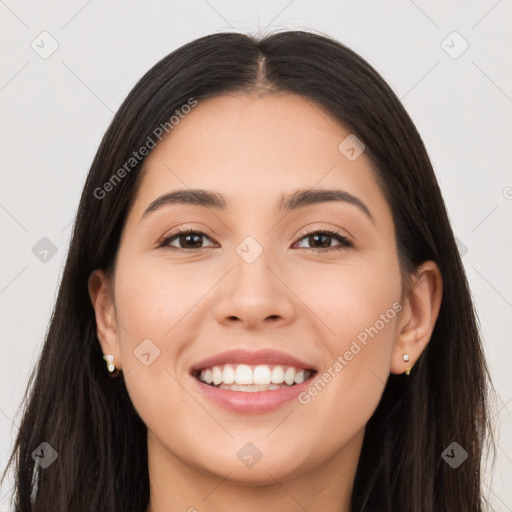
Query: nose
{"x":255,"y":295}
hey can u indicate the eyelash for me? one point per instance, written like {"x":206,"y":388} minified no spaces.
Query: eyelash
{"x":345,"y":243}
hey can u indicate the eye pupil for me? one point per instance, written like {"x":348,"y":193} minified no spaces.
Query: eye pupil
{"x":318,"y":235}
{"x":196,"y":236}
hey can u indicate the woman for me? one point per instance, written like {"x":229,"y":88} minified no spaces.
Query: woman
{"x":263,"y":260}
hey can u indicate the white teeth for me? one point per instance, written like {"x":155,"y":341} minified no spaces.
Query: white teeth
{"x":252,"y":387}
{"x":299,"y":377}
{"x":261,"y":376}
{"x":277,"y":376}
{"x":243,"y":374}
{"x":216,"y":375}
{"x":289,"y":376}
{"x":228,"y":375}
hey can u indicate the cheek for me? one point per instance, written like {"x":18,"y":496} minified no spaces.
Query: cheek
{"x":353,"y":303}
{"x":153,"y":299}
{"x":153,"y":308}
{"x":359,"y":313}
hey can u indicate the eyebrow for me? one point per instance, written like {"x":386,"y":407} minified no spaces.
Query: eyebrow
{"x":299,"y":199}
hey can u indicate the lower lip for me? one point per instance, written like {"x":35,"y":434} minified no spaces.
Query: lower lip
{"x":251,"y":402}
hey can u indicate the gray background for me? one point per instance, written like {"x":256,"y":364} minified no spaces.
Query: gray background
{"x":56,"y":109}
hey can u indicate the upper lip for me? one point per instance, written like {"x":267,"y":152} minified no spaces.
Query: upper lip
{"x":266,"y":356}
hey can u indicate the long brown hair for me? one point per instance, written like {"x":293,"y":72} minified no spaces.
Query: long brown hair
{"x":89,"y":420}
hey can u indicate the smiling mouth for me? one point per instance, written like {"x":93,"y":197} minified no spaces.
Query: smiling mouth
{"x":253,"y":378}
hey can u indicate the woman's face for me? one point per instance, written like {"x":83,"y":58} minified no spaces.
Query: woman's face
{"x":255,"y":277}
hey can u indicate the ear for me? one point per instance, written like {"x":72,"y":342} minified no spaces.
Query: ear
{"x":102,"y":298}
{"x":421,"y":306}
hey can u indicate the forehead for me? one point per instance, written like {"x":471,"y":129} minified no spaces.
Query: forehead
{"x":256,"y":147}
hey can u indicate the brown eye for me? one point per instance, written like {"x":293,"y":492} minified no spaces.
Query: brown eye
{"x":322,"y":240}
{"x":187,"y":239}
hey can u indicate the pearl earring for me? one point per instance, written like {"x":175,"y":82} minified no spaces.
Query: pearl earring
{"x":109,"y":358}
{"x":405,"y":357}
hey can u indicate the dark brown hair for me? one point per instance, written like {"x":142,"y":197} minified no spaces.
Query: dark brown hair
{"x":89,"y":419}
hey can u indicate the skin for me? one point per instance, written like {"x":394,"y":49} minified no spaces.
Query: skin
{"x":294,"y":297}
